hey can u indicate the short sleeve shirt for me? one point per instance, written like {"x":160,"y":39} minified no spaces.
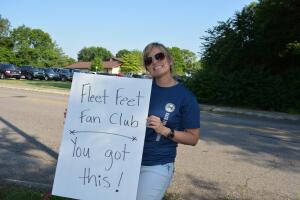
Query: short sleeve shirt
{"x":178,"y":109}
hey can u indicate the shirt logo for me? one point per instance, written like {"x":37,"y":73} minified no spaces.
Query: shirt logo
{"x":170,"y":107}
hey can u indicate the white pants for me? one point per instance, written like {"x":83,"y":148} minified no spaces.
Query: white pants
{"x":154,"y":181}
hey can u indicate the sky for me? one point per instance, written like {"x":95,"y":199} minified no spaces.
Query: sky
{"x":121,"y":24}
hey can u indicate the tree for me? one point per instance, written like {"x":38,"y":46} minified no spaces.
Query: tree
{"x":178,"y":62}
{"x":6,"y":44}
{"x":122,"y":52}
{"x":7,"y":55}
{"x":260,"y":36}
{"x":97,"y":65}
{"x":190,"y":61}
{"x":4,"y":27}
{"x":276,"y":27}
{"x":132,"y":62}
{"x":90,"y":53}
{"x":184,"y":60}
{"x":35,"y":47}
{"x":253,"y":58}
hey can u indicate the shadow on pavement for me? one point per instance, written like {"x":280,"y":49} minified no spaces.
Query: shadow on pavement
{"x":276,"y":144}
{"x":24,"y":158}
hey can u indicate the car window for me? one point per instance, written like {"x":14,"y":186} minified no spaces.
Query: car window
{"x":49,"y":70}
{"x":11,"y":67}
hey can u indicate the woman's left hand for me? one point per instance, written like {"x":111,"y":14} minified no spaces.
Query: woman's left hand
{"x":155,"y":123}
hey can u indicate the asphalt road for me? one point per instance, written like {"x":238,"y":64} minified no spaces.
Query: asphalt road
{"x":238,"y":157}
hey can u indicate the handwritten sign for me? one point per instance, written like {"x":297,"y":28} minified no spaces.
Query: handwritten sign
{"x":102,"y":143}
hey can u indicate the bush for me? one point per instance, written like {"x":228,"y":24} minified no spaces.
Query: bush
{"x":248,"y":88}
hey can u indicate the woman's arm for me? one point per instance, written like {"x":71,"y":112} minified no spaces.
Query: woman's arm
{"x":188,"y":136}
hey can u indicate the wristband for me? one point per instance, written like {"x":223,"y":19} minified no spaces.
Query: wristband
{"x":171,"y":134}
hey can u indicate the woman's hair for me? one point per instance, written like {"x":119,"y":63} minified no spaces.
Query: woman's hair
{"x":160,"y":46}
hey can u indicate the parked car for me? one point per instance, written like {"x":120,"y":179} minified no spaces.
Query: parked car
{"x":74,"y":70}
{"x":146,"y":76}
{"x":30,"y":72}
{"x":56,"y":69}
{"x":65,"y":75}
{"x":50,"y":74}
{"x":106,"y":73}
{"x":9,"y":71}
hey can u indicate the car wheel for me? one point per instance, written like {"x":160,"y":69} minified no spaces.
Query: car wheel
{"x":29,"y":76}
{"x":63,"y":79}
{"x":2,"y":76}
{"x":46,"y":78}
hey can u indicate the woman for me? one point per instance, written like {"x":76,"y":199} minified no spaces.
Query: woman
{"x":174,"y":117}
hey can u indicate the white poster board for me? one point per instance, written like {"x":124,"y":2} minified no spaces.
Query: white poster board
{"x":102,"y":143}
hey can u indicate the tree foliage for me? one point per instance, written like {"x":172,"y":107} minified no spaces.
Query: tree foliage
{"x":6,"y":45}
{"x":132,"y":62}
{"x":24,"y":45}
{"x":253,"y":58}
{"x":184,"y":60}
{"x":122,"y":52}
{"x":97,"y":65}
{"x":90,"y":53}
{"x":4,"y":27}
{"x":264,"y":36}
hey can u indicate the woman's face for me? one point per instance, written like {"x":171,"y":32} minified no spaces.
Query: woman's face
{"x":160,"y":64}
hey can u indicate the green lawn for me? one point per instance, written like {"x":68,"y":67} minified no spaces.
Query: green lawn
{"x":22,"y":193}
{"x":37,"y":84}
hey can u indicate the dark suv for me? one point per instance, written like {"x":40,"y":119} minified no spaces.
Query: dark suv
{"x":50,"y":74}
{"x":9,"y":71}
{"x":65,"y":75}
{"x":31,"y":72}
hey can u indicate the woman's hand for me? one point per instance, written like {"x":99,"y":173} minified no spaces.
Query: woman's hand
{"x":155,"y":123}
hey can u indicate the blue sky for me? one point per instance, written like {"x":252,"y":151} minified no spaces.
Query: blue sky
{"x":122,"y":24}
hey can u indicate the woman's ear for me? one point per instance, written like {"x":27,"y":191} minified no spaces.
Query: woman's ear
{"x":170,"y":62}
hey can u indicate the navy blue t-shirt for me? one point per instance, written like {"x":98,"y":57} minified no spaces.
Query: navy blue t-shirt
{"x":178,"y":109}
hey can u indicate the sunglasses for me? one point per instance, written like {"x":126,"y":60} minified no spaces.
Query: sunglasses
{"x":159,"y":57}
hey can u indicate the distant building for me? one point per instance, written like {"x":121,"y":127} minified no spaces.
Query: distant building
{"x":82,"y":66}
{"x":112,"y":66}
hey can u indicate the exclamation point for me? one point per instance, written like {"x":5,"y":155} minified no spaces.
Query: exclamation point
{"x":119,"y":182}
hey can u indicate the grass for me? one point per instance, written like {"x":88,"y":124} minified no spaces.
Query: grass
{"x":37,"y":84}
{"x":22,"y":193}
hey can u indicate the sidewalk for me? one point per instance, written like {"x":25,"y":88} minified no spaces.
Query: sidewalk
{"x":203,"y":107}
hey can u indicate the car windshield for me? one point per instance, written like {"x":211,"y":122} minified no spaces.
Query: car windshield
{"x":65,"y":71}
{"x":11,"y":67}
{"x":49,"y":71}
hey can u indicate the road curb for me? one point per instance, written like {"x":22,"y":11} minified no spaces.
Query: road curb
{"x":51,"y":91}
{"x":248,"y":112}
{"x":30,"y":184}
